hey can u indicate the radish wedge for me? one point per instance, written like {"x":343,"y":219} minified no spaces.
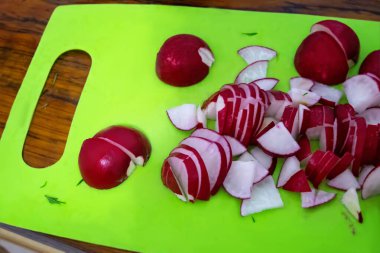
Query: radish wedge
{"x":350,"y":200}
{"x":305,"y":149}
{"x":301,"y":83}
{"x":364,"y":173}
{"x":236,"y":147}
{"x":297,"y":183}
{"x":278,"y":141}
{"x":183,"y":117}
{"x":304,"y":97}
{"x":266,"y":83}
{"x":252,"y":54}
{"x":329,"y":95}
{"x":264,"y":196}
{"x":371,"y":184}
{"x":268,"y":162}
{"x":290,"y":167}
{"x":316,"y":198}
{"x":344,"y":181}
{"x":240,"y":178}
{"x":252,"y":72}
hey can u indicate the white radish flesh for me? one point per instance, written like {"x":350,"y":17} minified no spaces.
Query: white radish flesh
{"x":316,"y":198}
{"x":183,"y":117}
{"x":290,"y":167}
{"x":372,"y":116}
{"x":350,"y":200}
{"x":344,"y":181}
{"x":252,"y":72}
{"x":371,"y":185}
{"x":206,"y":56}
{"x":252,"y":54}
{"x":328,"y":94}
{"x":304,"y":97}
{"x":301,"y":83}
{"x":240,"y":178}
{"x":236,"y":147}
{"x":266,"y":83}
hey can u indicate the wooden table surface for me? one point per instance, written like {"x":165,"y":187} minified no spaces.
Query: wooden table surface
{"x":21,"y":25}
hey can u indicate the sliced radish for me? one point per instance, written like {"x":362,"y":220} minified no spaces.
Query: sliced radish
{"x":290,"y":120}
{"x":372,"y":116}
{"x":304,"y":97}
{"x":358,"y":144}
{"x":326,"y":164}
{"x":350,"y":200}
{"x":246,"y":156}
{"x":343,"y":163}
{"x":267,"y":83}
{"x":209,"y":106}
{"x":314,"y":163}
{"x":364,"y":173}
{"x":266,"y":122}
{"x":290,"y":167}
{"x":240,"y":178}
{"x":264,"y":196}
{"x":221,"y":114}
{"x":327,"y":138}
{"x":171,"y":181}
{"x":343,"y":113}
{"x":268,"y":162}
{"x":301,"y":83}
{"x":344,"y":181}
{"x":329,"y":95}
{"x":278,"y":101}
{"x":254,"y":71}
{"x":316,"y":198}
{"x":371,"y":184}
{"x":305,"y":149}
{"x":183,"y":117}
{"x":252,"y":54}
{"x":278,"y":141}
{"x":297,"y":183}
{"x":362,"y":92}
{"x":303,"y":118}
{"x":371,"y":142}
{"x":201,"y":118}
{"x":236,"y":147}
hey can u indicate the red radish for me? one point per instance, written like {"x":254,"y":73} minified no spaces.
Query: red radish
{"x":183,"y":117}
{"x":319,"y":117}
{"x":350,"y":200}
{"x":278,"y":101}
{"x":364,"y":173}
{"x":344,"y":35}
{"x":268,"y":162}
{"x":266,"y":122}
{"x":301,"y":83}
{"x":264,"y":196}
{"x":103,"y":165}
{"x":221,"y":114}
{"x":343,"y":163}
{"x":297,"y":183}
{"x":201,"y":118}
{"x":254,"y":71}
{"x":326,"y":164}
{"x":303,"y":97}
{"x":329,"y":95}
{"x":252,"y":54}
{"x":266,"y":83}
{"x":170,"y":181}
{"x":371,"y":64}
{"x":209,"y":106}
{"x":372,"y":136}
{"x":303,"y":118}
{"x":183,"y":60}
{"x":372,"y":116}
{"x":320,"y":58}
{"x":314,"y":163}
{"x":278,"y":141}
{"x":239,"y":179}
{"x":236,"y":147}
{"x":371,"y":184}
{"x":344,"y":181}
{"x":290,"y":120}
{"x":327,"y":138}
{"x":316,"y":198}
{"x":304,"y":153}
{"x":131,"y":141}
{"x":290,"y":167}
{"x":362,"y":92}
{"x":343,"y":113}
{"x":358,"y":144}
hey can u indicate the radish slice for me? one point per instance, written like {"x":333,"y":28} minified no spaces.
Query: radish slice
{"x":201,"y":118}
{"x":264,"y":196}
{"x":252,"y":72}
{"x":303,"y":118}
{"x":316,"y":198}
{"x":267,"y":83}
{"x":171,"y":181}
{"x":278,"y":101}
{"x":343,"y":163}
{"x":183,"y":117}
{"x":260,"y":172}
{"x":344,"y":181}
{"x":329,"y":95}
{"x":236,"y":147}
{"x":364,"y":173}
{"x":362,"y":92}
{"x":297,"y":183}
{"x":221,"y":112}
{"x":304,"y":97}
{"x":301,"y":83}
{"x":252,"y":54}
{"x":290,"y":167}
{"x":206,"y":56}
{"x":278,"y":141}
{"x":239,"y":179}
{"x":290,"y":120}
{"x":372,"y":116}
{"x":351,"y":201}
{"x":371,"y":184}
{"x":305,"y":150}
{"x":268,"y":162}
{"x":180,"y":171}
{"x":246,"y":156}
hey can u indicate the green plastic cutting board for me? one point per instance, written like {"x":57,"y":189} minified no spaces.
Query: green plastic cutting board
{"x":122,"y":88}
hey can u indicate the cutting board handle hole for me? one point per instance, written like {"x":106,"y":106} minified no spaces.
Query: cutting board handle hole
{"x":48,"y":131}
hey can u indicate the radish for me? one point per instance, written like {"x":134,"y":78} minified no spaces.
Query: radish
{"x":343,"y":163}
{"x":184,"y":117}
{"x":304,"y":97}
{"x":343,"y":113}
{"x":316,"y":198}
{"x":320,"y":58}
{"x":268,"y":162}
{"x":304,"y":154}
{"x":278,"y":141}
{"x":303,"y":118}
{"x":266,"y":122}
{"x":301,"y":83}
{"x":246,"y":156}
{"x":209,"y":106}
{"x":371,"y":64}
{"x":290,"y":120}
{"x":278,"y":101}
{"x":264,"y":196}
{"x":240,"y":178}
{"x":201,"y":118}
{"x":292,"y":177}
{"x":221,"y":114}
{"x":183,"y":60}
{"x":364,"y":173}
{"x":372,"y":116}
{"x":344,"y":36}
{"x":344,"y":181}
{"x":351,"y":201}
{"x":266,"y":83}
{"x":358,"y":144}
{"x":170,"y":181}
{"x":371,"y":184}
{"x":297,"y":183}
{"x":252,"y":54}
{"x":329,"y":95}
{"x":254,"y":71}
{"x":236,"y":147}
{"x":362,"y":92}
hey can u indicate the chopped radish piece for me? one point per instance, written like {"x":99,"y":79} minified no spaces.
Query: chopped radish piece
{"x":297,"y":183}
{"x":343,"y":113}
{"x":266,"y":122}
{"x":183,"y":117}
{"x":303,"y":118}
{"x":371,"y":184}
{"x":372,"y":116}
{"x":252,"y":72}
{"x":299,"y":96}
{"x":305,"y":150}
{"x":364,"y":173}
{"x":240,"y":178}
{"x":278,"y":141}
{"x":344,"y":181}
{"x":221,"y":111}
{"x":301,"y":83}
{"x":268,"y":162}
{"x":252,"y":54}
{"x":362,"y":92}
{"x":329,"y":95}
{"x":316,"y":198}
{"x":350,"y":200}
{"x":358,"y":144}
{"x":278,"y":101}
{"x":264,"y":196}
{"x":343,"y":163}
{"x":236,"y":147}
{"x":201,"y":118}
{"x":246,"y":156}
{"x":290,"y":120}
{"x":267,"y":83}
{"x":290,"y":167}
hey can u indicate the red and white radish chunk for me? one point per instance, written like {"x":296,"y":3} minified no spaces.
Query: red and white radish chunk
{"x":344,"y":181}
{"x":254,"y":71}
{"x":292,"y":178}
{"x":351,"y":201}
{"x":316,"y":198}
{"x":267,"y":161}
{"x":329,"y":95}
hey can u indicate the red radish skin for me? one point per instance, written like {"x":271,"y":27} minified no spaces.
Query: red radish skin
{"x":170,"y":181}
{"x":320,"y":58}
{"x":325,"y":166}
{"x":371,"y":64}
{"x":297,"y":183}
{"x":359,"y":142}
{"x":343,"y":163}
{"x":305,"y":149}
{"x":313,"y":163}
{"x":183,"y":60}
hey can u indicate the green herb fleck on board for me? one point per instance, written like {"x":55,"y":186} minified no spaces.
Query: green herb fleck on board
{"x":253,"y":219}
{"x":250,"y":34}
{"x":54,"y":200}
{"x":80,"y":181}
{"x":305,"y":94}
{"x":42,"y":186}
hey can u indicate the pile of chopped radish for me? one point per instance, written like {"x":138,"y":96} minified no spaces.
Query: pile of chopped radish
{"x":256,"y":125}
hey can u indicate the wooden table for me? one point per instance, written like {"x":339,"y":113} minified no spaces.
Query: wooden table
{"x":21,"y":25}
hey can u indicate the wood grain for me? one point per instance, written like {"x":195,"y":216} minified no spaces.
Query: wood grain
{"x":21,"y":25}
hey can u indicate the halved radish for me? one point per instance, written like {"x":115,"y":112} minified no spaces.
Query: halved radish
{"x":371,"y":184}
{"x":252,"y":54}
{"x":362,"y":92}
{"x":264,"y":196}
{"x":364,"y":173}
{"x":278,"y":141}
{"x":304,"y":97}
{"x":301,"y":83}
{"x":240,"y":178}
{"x":267,"y":83}
{"x":268,"y":162}
{"x":371,"y":64}
{"x":254,"y":71}
{"x":290,"y":167}
{"x":350,"y":200}
{"x":297,"y":183}
{"x":266,"y":122}
{"x":344,"y":181}
{"x":304,"y":154}
{"x":329,"y":95}
{"x":343,"y":163}
{"x":183,"y":117}
{"x":316,"y":198}
{"x":236,"y":147}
